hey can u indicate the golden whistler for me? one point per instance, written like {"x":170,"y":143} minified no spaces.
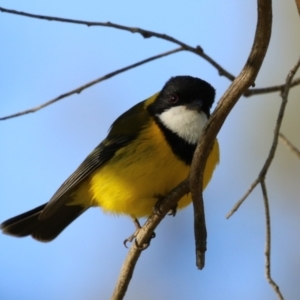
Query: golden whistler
{"x":148,"y":151}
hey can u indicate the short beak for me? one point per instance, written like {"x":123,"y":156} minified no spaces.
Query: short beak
{"x":195,"y":105}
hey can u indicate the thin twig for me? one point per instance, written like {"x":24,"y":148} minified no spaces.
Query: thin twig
{"x":262,"y":175}
{"x":270,"y":89}
{"x":145,"y":33}
{"x":225,"y":105}
{"x":89,"y":84}
{"x":268,"y":241}
{"x":239,"y":203}
{"x":248,"y":93}
{"x":289,"y":145}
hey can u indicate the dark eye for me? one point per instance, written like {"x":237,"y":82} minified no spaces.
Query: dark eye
{"x":173,"y":98}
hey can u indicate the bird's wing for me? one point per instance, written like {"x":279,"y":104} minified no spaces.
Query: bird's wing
{"x":123,"y":131}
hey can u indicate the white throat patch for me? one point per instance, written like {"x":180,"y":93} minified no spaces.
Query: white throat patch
{"x":188,"y":124}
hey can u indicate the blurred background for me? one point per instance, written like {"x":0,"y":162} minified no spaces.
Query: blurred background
{"x":41,"y":60}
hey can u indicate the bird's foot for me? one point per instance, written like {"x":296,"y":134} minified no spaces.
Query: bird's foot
{"x":157,"y":210}
{"x":134,"y":235}
{"x":173,"y":211}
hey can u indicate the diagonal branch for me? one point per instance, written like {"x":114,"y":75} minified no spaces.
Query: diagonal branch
{"x":144,"y":236}
{"x":89,"y":84}
{"x":240,"y":202}
{"x":145,"y":33}
{"x":289,"y":145}
{"x":273,"y":148}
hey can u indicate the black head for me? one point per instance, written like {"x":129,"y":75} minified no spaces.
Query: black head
{"x":192,"y":92}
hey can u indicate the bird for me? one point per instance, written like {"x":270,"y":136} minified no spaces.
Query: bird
{"x":148,"y":151}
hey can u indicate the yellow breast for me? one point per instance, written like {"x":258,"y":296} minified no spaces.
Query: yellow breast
{"x":138,"y":173}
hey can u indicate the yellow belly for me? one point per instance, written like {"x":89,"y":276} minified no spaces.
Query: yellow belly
{"x":133,"y":179}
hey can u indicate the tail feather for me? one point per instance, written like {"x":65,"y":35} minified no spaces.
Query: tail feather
{"x":45,"y":230}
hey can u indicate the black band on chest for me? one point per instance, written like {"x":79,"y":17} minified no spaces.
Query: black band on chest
{"x":180,"y":147}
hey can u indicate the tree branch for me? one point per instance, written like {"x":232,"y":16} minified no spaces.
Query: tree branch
{"x":270,"y":89}
{"x":225,"y":105}
{"x":145,"y":33}
{"x":89,"y":84}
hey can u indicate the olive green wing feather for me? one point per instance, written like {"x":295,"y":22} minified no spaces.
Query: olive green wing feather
{"x":123,"y":131}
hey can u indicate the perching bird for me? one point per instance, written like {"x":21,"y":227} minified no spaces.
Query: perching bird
{"x":148,"y":151}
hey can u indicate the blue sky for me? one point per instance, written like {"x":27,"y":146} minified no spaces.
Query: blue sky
{"x":41,"y":60}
